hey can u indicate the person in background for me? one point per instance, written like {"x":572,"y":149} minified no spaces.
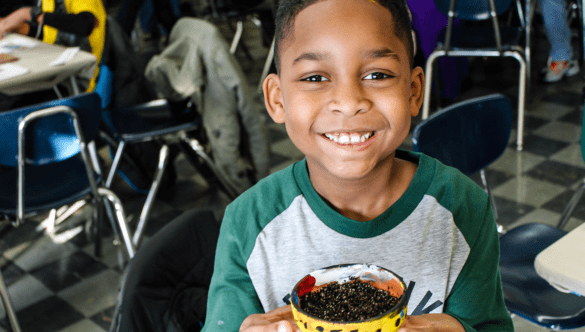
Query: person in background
{"x":64,"y":22}
{"x":165,"y":12}
{"x":560,"y":56}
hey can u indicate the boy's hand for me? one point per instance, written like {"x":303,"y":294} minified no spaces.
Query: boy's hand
{"x":277,"y":320}
{"x":431,"y":322}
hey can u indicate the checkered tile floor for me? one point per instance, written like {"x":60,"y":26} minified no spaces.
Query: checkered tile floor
{"x":62,"y":287}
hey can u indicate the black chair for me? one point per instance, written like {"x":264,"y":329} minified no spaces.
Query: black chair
{"x":479,"y":41}
{"x":528,"y":295}
{"x":469,"y":136}
{"x":164,"y":287}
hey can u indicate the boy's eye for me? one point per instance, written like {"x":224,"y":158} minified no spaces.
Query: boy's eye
{"x":376,"y":76}
{"x":315,"y":78}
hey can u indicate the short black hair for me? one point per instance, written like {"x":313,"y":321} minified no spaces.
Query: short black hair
{"x":289,"y":9}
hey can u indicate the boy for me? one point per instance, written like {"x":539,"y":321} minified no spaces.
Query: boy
{"x":346,"y":92}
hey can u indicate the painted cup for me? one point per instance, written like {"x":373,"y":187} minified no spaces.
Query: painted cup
{"x":379,"y":277}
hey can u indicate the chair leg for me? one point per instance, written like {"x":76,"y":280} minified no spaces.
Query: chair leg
{"x":267,"y":64}
{"x":115,"y":164}
{"x":128,"y":157}
{"x":428,"y":82}
{"x":109,"y":195}
{"x":96,"y":228}
{"x":487,"y":188}
{"x":195,"y":146}
{"x":237,"y":37}
{"x":571,"y":206}
{"x":521,"y":97}
{"x":162,"y":164}
{"x":437,"y":82}
{"x":8,"y":306}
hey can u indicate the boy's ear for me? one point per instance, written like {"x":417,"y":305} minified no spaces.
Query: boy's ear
{"x":417,"y":83}
{"x":273,"y":98}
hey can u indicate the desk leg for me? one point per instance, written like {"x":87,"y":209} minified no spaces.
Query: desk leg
{"x":57,"y":92}
{"x":74,"y":85}
{"x":583,"y":35}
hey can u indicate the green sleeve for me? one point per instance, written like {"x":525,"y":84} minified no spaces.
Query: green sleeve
{"x":476,"y":299}
{"x":232,"y":297}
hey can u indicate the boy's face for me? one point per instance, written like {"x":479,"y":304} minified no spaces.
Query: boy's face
{"x":345,"y":91}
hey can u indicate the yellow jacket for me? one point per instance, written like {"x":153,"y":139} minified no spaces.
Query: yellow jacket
{"x":96,"y":38}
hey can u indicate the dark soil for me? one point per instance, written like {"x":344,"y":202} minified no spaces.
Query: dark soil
{"x":351,"y":301}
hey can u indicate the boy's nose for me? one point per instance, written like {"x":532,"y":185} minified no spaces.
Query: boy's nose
{"x":349,"y":98}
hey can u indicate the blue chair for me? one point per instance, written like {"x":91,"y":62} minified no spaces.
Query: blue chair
{"x":154,"y":121}
{"x":50,"y":160}
{"x":465,"y":41}
{"x":469,"y":136}
{"x":525,"y":292}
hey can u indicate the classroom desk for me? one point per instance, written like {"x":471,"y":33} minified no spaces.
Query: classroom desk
{"x":41,"y":75}
{"x":562,"y":264}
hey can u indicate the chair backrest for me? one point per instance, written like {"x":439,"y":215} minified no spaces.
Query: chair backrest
{"x":468,"y":135}
{"x":105,"y":85}
{"x":53,"y":138}
{"x":473,"y":10}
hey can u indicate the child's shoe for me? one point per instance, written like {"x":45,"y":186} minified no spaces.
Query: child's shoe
{"x":556,"y":70}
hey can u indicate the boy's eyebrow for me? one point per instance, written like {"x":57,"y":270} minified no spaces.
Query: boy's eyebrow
{"x":371,"y":54}
{"x":314,"y":56}
{"x":380,"y":53}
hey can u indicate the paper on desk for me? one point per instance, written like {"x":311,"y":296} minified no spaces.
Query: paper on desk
{"x":9,"y":70}
{"x":16,"y":43}
{"x":67,"y":55}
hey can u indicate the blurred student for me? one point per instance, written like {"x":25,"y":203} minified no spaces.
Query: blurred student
{"x":69,"y":23}
{"x":560,"y":55}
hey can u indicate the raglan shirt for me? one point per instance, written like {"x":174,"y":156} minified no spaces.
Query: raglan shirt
{"x":440,"y":234}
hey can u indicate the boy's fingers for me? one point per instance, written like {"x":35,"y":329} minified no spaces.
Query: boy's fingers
{"x":281,"y":326}
{"x":287,"y":326}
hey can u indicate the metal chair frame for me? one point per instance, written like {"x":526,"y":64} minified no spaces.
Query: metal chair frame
{"x":171,"y":135}
{"x":515,"y":52}
{"x":89,"y":157}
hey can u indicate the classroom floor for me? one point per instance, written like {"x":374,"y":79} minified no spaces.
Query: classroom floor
{"x":62,"y":287}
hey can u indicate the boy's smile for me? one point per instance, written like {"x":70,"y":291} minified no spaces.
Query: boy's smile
{"x":345,"y":90}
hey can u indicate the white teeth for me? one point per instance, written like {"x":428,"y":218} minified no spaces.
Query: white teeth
{"x":348,"y":138}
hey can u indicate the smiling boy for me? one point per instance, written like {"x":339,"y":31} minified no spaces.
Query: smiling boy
{"x":346,"y":92}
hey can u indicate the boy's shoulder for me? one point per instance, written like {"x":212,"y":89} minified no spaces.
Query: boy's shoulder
{"x":447,"y":184}
{"x":271,"y":195}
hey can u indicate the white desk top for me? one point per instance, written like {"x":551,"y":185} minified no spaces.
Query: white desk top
{"x":563,"y":263}
{"x":40,"y":74}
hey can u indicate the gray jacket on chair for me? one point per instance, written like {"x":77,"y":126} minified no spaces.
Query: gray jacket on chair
{"x":197,"y":64}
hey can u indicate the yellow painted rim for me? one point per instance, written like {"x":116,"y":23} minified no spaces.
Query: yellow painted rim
{"x":389,"y":321}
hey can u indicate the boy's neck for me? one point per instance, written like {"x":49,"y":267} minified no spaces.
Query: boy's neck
{"x":366,"y":198}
